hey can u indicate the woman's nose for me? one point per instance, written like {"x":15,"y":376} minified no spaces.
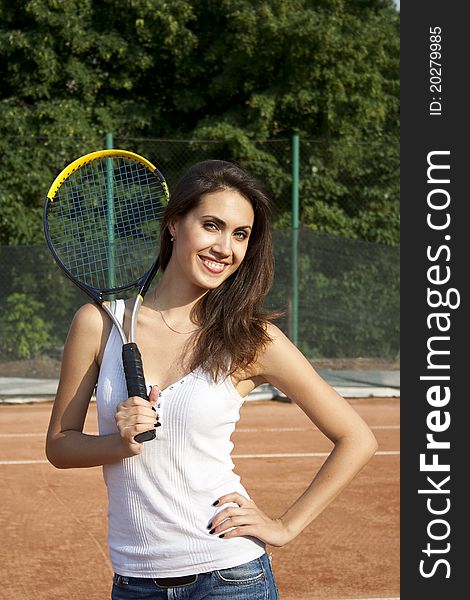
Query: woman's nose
{"x":223,"y":244}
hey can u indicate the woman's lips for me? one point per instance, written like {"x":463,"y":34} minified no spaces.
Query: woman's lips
{"x":212,"y":266}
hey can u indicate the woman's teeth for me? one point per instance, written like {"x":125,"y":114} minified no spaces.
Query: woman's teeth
{"x":213,"y":266}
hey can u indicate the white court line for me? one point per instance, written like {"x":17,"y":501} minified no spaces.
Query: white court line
{"x":276,"y":429}
{"x":13,"y":435}
{"x":23,"y":462}
{"x":241,"y":430}
{"x":287,"y":455}
{"x":307,"y":454}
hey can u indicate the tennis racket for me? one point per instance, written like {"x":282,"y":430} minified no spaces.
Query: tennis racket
{"x":102,"y":224}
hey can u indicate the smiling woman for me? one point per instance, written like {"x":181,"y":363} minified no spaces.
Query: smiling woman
{"x":219,"y":220}
{"x":179,"y":517}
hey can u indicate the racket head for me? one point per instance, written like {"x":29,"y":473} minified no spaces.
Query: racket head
{"x":102,"y":222}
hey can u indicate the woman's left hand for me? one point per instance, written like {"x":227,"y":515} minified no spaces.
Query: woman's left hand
{"x":247,"y":519}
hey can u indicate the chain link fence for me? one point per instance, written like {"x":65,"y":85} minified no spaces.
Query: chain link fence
{"x":348,"y":298}
{"x":348,"y":295}
{"x":348,"y":290}
{"x":269,"y":161}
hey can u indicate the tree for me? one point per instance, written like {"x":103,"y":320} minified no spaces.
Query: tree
{"x":237,"y":71}
{"x":328,"y":71}
{"x":25,"y":334}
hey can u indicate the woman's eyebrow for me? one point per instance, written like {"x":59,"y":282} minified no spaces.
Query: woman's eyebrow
{"x":223,"y":223}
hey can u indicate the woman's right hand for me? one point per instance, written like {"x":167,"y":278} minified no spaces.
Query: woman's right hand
{"x":136,"y":415}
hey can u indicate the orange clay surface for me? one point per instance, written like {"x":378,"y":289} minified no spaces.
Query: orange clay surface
{"x":53,"y":522}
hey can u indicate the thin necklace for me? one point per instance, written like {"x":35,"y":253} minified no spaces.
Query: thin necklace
{"x":172,"y":329}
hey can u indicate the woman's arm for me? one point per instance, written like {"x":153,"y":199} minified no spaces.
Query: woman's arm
{"x":282,"y":365}
{"x":66,"y":444}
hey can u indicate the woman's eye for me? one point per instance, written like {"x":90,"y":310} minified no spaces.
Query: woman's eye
{"x":210,"y":225}
{"x":241,"y":235}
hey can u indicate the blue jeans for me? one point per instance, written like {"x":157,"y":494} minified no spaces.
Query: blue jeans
{"x":253,"y":580}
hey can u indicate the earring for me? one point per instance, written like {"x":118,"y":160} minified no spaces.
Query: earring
{"x":172,"y":239}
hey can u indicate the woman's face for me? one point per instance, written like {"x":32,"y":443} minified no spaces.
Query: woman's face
{"x":211,"y":240}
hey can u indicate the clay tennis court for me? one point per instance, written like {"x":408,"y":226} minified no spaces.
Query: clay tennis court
{"x":53,"y":522}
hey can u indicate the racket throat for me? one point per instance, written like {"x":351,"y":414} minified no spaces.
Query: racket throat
{"x":110,"y":307}
{"x":137,"y":304}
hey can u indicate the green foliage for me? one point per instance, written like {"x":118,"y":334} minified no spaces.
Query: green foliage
{"x":23,"y":332}
{"x":348,"y":295}
{"x":230,"y":70}
{"x":30,"y":272}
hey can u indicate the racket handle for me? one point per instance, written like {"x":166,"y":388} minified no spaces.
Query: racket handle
{"x":135,"y":381}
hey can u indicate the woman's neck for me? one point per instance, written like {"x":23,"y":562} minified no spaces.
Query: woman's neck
{"x":174,"y":296}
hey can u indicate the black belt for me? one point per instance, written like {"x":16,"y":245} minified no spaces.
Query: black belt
{"x":175,"y":581}
{"x":160,"y":581}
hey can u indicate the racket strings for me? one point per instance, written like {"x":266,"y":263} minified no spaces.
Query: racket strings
{"x":104,"y":222}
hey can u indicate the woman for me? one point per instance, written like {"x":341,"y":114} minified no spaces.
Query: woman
{"x":179,"y":518}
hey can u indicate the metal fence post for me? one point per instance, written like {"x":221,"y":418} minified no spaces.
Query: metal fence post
{"x":295,"y":241}
{"x":110,"y":212}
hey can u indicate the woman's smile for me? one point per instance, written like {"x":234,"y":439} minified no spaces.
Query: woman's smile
{"x":212,"y":265}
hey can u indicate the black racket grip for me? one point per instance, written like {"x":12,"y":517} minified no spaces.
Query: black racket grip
{"x":135,"y":381}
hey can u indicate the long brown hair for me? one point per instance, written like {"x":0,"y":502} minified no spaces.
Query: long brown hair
{"x":231,"y":319}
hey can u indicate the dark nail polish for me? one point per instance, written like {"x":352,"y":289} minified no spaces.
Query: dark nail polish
{"x":209,"y":526}
{"x":212,"y":530}
{"x":222,"y":535}
{"x":215,"y":503}
{"x":153,"y":408}
{"x":157,"y":424}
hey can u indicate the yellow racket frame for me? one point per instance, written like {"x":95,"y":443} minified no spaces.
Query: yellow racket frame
{"x":86,"y":158}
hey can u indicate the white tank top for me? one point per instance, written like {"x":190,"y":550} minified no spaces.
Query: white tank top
{"x":160,"y":501}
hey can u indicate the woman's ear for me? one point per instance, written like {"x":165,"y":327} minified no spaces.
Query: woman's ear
{"x":172,"y":228}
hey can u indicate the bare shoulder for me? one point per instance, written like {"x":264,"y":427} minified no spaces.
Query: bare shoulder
{"x":270,"y":360}
{"x":90,"y":316}
{"x":284,"y":366}
{"x":280,"y":348}
{"x":90,"y":325}
{"x":275,"y":333}
{"x":275,"y":346}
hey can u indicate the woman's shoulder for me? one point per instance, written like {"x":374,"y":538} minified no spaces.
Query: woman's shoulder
{"x":277,"y":351}
{"x":277,"y":340}
{"x":273,"y":331}
{"x":270,"y":359}
{"x":90,"y":317}
{"x":92,"y":325}
{"x":269,"y":352}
